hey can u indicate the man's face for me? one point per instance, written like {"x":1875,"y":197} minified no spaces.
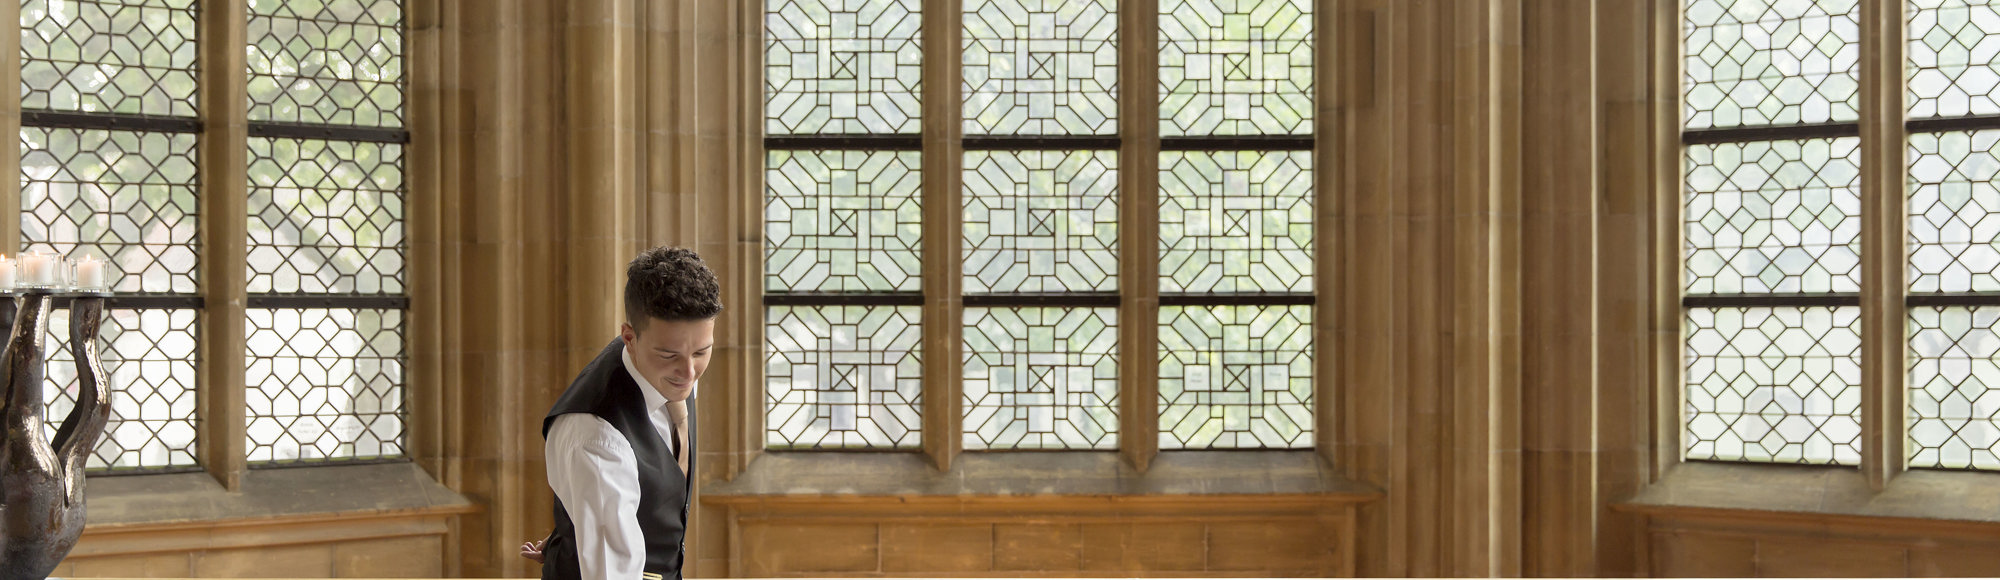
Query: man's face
{"x":671,"y":354}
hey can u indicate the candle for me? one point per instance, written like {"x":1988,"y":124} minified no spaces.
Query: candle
{"x":6,"y":274}
{"x":38,"y":269}
{"x":90,"y":273}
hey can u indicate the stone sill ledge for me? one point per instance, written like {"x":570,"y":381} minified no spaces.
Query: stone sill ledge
{"x":1820,"y":493}
{"x":134,"y":502}
{"x":800,"y":474}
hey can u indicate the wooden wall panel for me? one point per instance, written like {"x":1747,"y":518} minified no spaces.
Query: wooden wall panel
{"x":413,"y":547}
{"x":1272,"y":546}
{"x":1954,"y":562}
{"x":1767,"y":544}
{"x":1807,"y":557}
{"x":807,"y":549}
{"x":1139,"y":548}
{"x":1037,"y":546}
{"x":1702,"y":556}
{"x":1034,"y":536}
{"x":936,"y":547}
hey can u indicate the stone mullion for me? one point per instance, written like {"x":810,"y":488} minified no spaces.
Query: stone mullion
{"x":943,"y":310}
{"x":1667,"y":315}
{"x":224,"y":236}
{"x":10,"y":121}
{"x":1883,"y":252}
{"x":426,"y":158}
{"x":1329,"y":125}
{"x":1139,"y":231}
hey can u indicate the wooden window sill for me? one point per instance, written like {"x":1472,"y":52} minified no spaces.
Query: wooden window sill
{"x":1060,"y":473}
{"x":1820,"y":494}
{"x":293,"y":493}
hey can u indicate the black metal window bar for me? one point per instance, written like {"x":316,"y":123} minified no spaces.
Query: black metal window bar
{"x":1824,"y":131}
{"x":843,"y":142}
{"x":327,"y":282}
{"x":1765,"y":134}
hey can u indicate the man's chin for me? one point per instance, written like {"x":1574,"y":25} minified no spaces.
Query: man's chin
{"x":675,"y":393}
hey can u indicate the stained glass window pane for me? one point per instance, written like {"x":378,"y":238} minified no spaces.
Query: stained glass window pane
{"x":1041,"y":378}
{"x":325,"y":384}
{"x":1769,"y":62}
{"x":1953,"y":45}
{"x":842,"y":221}
{"x":1236,"y":377}
{"x":1774,"y":384}
{"x":149,"y":366}
{"x":842,"y":66}
{"x":326,"y":216}
{"x":128,"y":198}
{"x":843,"y":377}
{"x":1041,"y":221}
{"x":109,"y":56}
{"x":1041,"y":67}
{"x":1773,"y":216}
{"x":1236,"y":221}
{"x":326,"y":62}
{"x":1236,"y":67}
{"x":1954,"y":212}
{"x":1954,"y":387}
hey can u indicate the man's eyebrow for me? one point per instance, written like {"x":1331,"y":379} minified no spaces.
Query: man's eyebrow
{"x":663,"y":350}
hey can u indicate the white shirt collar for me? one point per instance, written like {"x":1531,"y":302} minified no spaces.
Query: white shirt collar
{"x":654,"y":400}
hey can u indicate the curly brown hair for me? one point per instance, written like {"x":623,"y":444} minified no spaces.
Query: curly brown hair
{"x":670,"y":283}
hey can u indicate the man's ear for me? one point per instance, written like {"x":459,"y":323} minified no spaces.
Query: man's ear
{"x":626,"y":333}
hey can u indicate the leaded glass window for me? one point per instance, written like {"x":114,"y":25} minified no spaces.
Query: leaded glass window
{"x":843,"y":224}
{"x":1770,"y":226}
{"x":112,"y":131}
{"x":1236,"y":225}
{"x":325,"y":232}
{"x":1953,"y":184}
{"x":1040,"y":189}
{"x":109,"y":157}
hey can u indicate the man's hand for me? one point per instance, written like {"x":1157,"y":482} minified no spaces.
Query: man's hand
{"x":532,"y":550}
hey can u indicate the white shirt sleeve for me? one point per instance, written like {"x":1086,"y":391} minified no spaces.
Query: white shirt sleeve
{"x":593,"y":471}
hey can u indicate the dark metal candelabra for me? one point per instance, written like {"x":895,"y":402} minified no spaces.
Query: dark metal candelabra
{"x":41,"y":483}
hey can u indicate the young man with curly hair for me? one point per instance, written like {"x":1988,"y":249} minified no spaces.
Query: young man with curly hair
{"x":620,"y":442}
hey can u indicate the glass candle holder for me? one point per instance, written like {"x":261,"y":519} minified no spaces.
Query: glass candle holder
{"x":89,"y":274}
{"x":40,"y":271}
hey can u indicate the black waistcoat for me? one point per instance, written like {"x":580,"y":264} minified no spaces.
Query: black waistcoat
{"x":604,"y":389}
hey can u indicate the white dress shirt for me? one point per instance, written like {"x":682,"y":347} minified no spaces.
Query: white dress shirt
{"x":594,"y":472}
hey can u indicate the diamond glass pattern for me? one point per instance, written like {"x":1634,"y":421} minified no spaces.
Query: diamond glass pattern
{"x":1770,"y":62}
{"x":1236,"y":221}
{"x":1041,"y":378}
{"x":326,"y":62}
{"x":1773,"y":216}
{"x":326,"y":216}
{"x":1041,"y":221}
{"x":1955,"y":387}
{"x":109,"y":56}
{"x":1774,"y":384}
{"x":128,"y":198}
{"x":843,"y":377}
{"x":842,"y":66}
{"x":842,"y":221}
{"x":1236,"y":67}
{"x":1236,"y":377}
{"x":1953,"y":45}
{"x":1954,"y":212}
{"x":325,"y":384}
{"x":1041,"y":67}
{"x":149,"y":361}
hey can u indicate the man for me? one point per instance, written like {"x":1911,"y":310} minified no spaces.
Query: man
{"x":620,"y":441}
